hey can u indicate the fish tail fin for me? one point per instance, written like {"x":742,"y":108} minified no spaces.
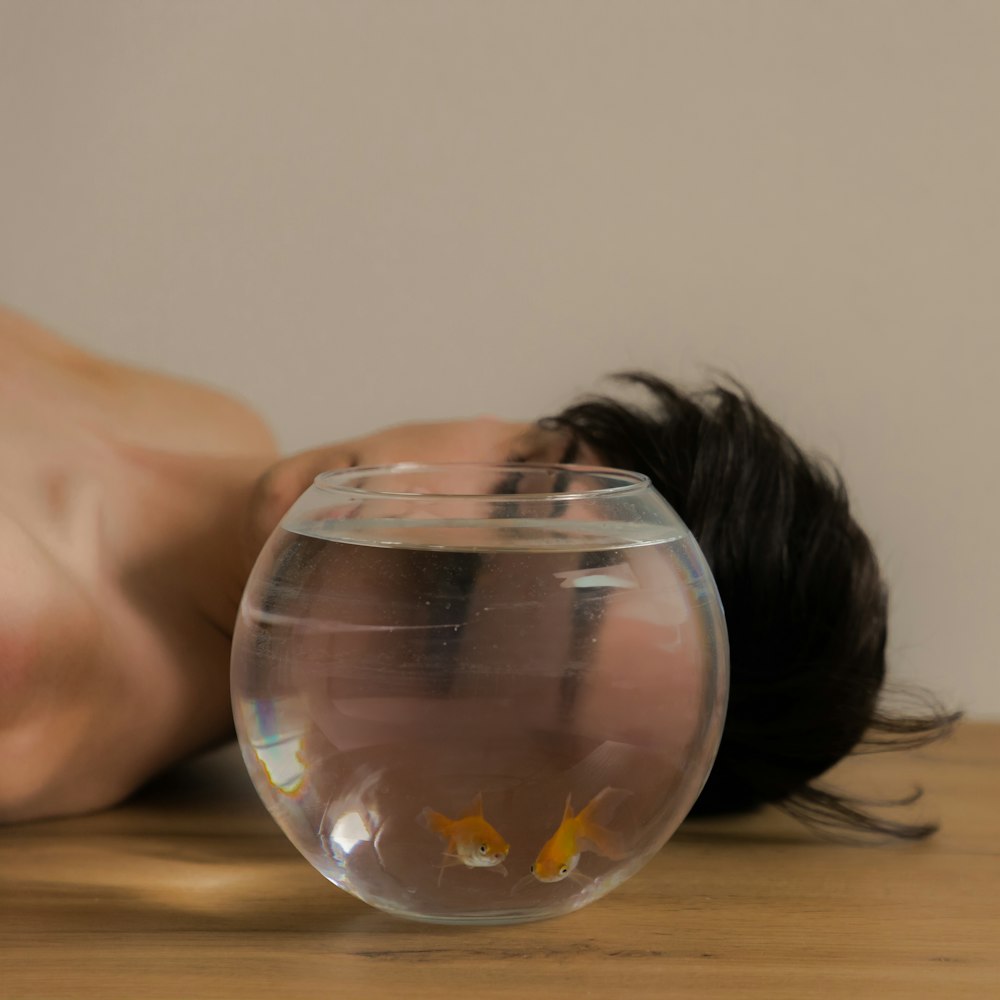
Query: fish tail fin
{"x":603,"y":806}
{"x":603,"y":841}
{"x":432,"y":820}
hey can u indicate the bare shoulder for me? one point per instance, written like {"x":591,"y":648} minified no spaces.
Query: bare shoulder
{"x":111,"y":666}
{"x":137,"y":404}
{"x":182,"y":415}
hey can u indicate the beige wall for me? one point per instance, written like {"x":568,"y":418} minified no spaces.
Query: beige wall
{"x":356,"y":213}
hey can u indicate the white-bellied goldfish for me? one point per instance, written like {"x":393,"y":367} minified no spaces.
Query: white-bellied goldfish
{"x":469,"y":841}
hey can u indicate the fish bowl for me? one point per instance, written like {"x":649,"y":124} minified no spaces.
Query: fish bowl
{"x":479,"y":693}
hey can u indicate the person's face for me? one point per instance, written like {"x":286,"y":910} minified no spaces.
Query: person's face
{"x":402,"y":660}
{"x":483,"y":439}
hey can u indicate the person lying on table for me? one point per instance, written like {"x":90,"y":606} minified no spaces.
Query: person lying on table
{"x":132,"y":506}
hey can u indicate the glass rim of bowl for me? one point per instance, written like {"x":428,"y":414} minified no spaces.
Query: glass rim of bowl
{"x":628,"y":481}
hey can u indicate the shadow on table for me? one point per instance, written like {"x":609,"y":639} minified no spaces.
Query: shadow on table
{"x":194,"y":851}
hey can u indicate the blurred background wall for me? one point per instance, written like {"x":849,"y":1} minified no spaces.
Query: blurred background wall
{"x":355,"y":213}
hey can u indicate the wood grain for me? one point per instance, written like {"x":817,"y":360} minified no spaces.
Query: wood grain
{"x":190,"y":890}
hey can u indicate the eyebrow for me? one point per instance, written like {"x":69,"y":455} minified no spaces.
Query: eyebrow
{"x":571,"y":451}
{"x":508,"y":486}
{"x":568,"y":455}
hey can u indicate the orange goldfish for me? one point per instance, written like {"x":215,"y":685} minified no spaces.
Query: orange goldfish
{"x":470,"y":841}
{"x":560,"y":854}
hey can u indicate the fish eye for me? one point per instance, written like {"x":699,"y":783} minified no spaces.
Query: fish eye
{"x":564,"y":870}
{"x":483,"y":848}
{"x":532,"y":869}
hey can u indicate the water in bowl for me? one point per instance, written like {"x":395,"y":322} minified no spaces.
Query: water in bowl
{"x":483,"y":721}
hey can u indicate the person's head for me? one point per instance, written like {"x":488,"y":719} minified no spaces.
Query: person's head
{"x":804,"y":599}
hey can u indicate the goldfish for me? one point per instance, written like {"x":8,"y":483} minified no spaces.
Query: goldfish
{"x":560,"y":854}
{"x":470,"y":841}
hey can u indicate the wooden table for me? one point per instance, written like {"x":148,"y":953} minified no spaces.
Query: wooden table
{"x":190,"y":891}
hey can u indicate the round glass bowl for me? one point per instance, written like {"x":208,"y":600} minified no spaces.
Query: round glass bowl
{"x":479,"y":693}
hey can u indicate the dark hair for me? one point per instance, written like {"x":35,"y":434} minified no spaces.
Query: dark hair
{"x":805,"y":602}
